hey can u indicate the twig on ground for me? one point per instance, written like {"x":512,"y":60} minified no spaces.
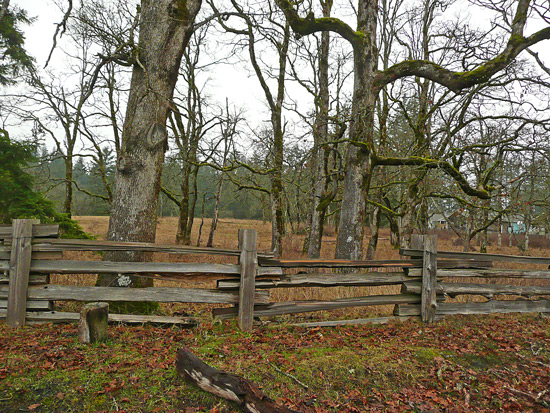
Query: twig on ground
{"x":277,"y":369}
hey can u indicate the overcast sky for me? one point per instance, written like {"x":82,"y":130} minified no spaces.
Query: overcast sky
{"x":231,"y":81}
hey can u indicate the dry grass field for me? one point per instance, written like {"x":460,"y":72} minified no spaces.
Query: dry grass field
{"x":226,"y":237}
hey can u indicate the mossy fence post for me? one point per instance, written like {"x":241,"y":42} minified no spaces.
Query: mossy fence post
{"x":428,"y":305}
{"x":249,"y":268}
{"x":20,"y":265}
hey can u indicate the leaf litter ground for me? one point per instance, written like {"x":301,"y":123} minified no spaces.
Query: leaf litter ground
{"x":465,"y":363}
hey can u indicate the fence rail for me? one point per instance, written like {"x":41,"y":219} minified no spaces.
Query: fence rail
{"x":29,"y":253}
{"x":428,"y":278}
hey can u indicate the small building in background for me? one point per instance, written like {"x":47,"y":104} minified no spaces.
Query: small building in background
{"x":438,"y":221}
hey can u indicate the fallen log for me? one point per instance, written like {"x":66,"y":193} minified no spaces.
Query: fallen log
{"x":226,"y":385}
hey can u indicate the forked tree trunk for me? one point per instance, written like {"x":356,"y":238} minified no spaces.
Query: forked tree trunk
{"x":359,"y":166}
{"x":320,"y":204}
{"x":164,"y":31}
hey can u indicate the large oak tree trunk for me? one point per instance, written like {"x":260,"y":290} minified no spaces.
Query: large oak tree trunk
{"x":164,"y":31}
{"x":359,"y":166}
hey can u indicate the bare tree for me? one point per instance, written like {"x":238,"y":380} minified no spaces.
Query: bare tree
{"x":228,"y":131}
{"x":277,"y":36}
{"x":369,"y":81}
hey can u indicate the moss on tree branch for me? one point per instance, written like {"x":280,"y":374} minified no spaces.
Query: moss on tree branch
{"x":482,"y":193}
{"x":303,"y":26}
{"x":457,"y":81}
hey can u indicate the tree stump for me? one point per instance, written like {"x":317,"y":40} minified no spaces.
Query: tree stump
{"x":92,"y":327}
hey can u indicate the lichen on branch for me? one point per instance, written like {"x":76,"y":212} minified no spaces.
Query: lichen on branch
{"x":303,"y":26}
{"x":481,"y":192}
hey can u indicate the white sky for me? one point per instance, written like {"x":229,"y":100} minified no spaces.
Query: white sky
{"x":230,"y":81}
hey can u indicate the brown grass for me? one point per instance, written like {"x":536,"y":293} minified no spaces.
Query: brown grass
{"x":226,"y":237}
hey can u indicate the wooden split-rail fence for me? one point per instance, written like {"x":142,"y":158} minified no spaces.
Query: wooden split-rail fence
{"x":31,"y":252}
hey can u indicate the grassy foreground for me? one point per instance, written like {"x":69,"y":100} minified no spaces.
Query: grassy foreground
{"x":478,"y":363}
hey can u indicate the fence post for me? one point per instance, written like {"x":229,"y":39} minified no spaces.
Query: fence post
{"x":20,"y":265}
{"x":428,"y":305}
{"x":249,"y":268}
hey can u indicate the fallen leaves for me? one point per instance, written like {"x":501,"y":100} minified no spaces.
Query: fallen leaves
{"x":467,"y":363}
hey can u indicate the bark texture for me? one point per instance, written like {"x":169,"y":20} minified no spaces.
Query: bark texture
{"x":359,"y":166}
{"x":226,"y":385}
{"x":164,"y":31}
{"x":321,"y":197}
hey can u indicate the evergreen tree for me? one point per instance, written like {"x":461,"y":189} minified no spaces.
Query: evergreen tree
{"x":18,"y":199}
{"x":13,"y":56}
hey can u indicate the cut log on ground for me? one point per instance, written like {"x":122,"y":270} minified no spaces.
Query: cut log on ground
{"x":226,"y":385}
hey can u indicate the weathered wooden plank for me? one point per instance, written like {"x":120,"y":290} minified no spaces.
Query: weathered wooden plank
{"x":32,"y":305}
{"x":102,"y":245}
{"x":249,"y":267}
{"x":65,"y":317}
{"x":20,"y":262}
{"x":186,"y":322}
{"x":313,"y":263}
{"x":485,"y":273}
{"x":413,"y":263}
{"x":378,"y":320}
{"x":159,"y":294}
{"x":34,"y":279}
{"x":269,"y":272}
{"x":407,"y":310}
{"x":5,"y":253}
{"x":293,"y":307}
{"x":4,"y":265}
{"x":463,"y":264}
{"x":94,"y":267}
{"x":429,"y":280}
{"x":38,"y":231}
{"x":324,"y":280}
{"x":488,"y":307}
{"x":488,"y":290}
{"x":495,"y":306}
{"x":481,"y":256}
